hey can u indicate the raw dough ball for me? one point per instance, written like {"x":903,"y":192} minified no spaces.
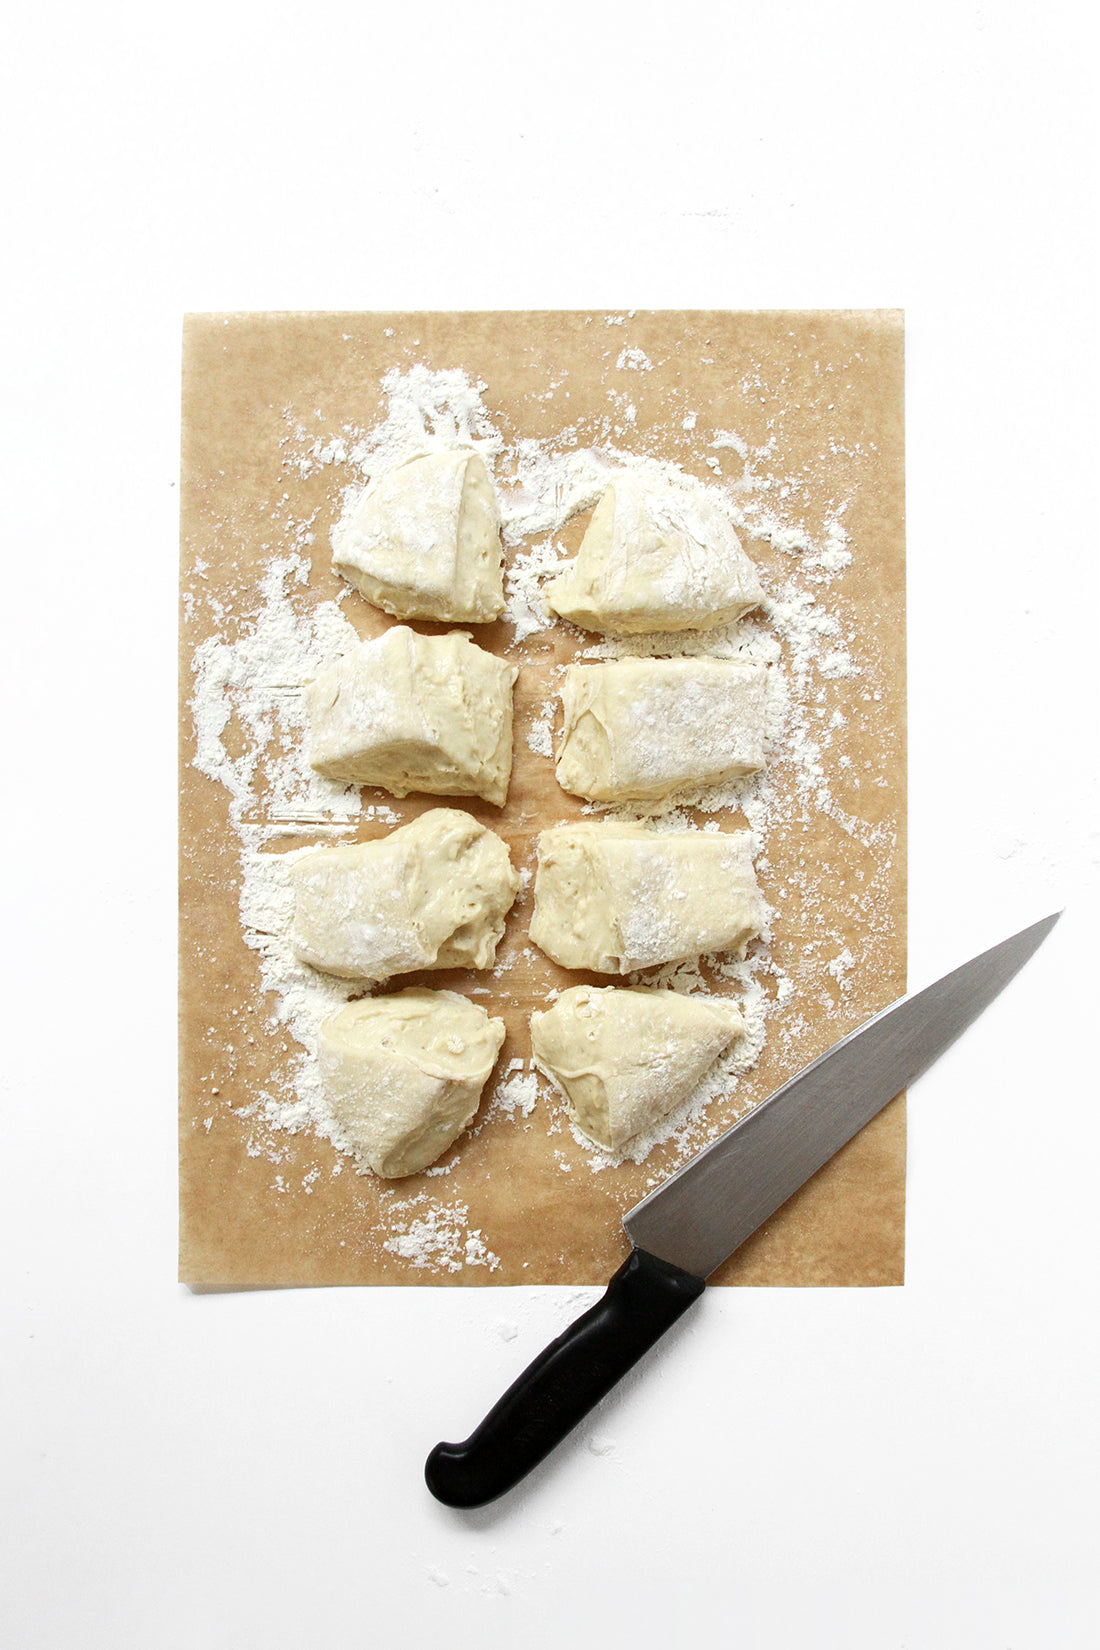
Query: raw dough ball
{"x":625,"y":1058}
{"x":640,"y":729}
{"x":424,"y":541}
{"x":433,"y":894}
{"x":404,"y":1074}
{"x":415,"y":713}
{"x":655,"y":557}
{"x":616,"y":898}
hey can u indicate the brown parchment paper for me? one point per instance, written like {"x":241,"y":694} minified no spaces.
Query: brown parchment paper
{"x":826,"y":388}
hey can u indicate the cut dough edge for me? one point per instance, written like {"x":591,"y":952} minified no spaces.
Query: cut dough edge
{"x":363,"y":731}
{"x":602,"y":1048}
{"x":413,"y":874}
{"x":400,"y":1104}
{"x":590,"y":912}
{"x":629,"y":731}
{"x":580,"y":595}
{"x":468,"y":591}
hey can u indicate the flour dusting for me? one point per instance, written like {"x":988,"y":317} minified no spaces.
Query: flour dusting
{"x":434,"y":1236}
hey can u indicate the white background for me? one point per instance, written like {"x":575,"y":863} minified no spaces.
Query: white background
{"x":867,"y":1470}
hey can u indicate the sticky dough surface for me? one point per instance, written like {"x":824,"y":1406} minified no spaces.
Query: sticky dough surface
{"x":404,"y":1074}
{"x":625,"y":1058}
{"x":423,"y":542}
{"x":642,"y":729}
{"x":617,"y":898}
{"x":655,"y":557}
{"x":433,"y":894}
{"x":415,"y":713}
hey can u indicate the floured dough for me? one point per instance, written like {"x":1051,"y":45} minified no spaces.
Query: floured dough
{"x":404,"y":1074}
{"x":415,"y":713}
{"x":433,"y":894}
{"x":640,"y":729}
{"x":423,"y":542}
{"x":616,"y":898}
{"x":655,"y":557}
{"x":625,"y":1058}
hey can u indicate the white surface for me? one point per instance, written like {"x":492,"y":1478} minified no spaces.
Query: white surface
{"x":902,"y":1468}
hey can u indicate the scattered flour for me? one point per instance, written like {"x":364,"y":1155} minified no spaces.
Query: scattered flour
{"x":517,"y":1094}
{"x":438,"y":1238}
{"x":257,"y":680}
{"x":540,"y":736}
{"x":634,"y":360}
{"x":524,"y":608}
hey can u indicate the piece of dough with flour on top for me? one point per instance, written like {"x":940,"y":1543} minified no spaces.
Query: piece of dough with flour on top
{"x":626,"y":1057}
{"x":423,"y":541}
{"x":432,"y":894}
{"x":656,"y":557}
{"x":415,"y":713}
{"x":404,"y":1075}
{"x":618,"y":898}
{"x":643,"y":729}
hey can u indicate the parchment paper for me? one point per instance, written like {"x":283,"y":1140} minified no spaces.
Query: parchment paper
{"x":825,"y":389}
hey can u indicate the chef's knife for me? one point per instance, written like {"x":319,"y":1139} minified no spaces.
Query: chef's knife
{"x":686,"y":1228}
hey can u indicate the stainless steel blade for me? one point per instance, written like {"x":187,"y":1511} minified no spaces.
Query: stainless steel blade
{"x":710,"y":1206}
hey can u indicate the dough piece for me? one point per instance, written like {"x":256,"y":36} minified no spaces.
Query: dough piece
{"x":616,"y":898}
{"x":640,"y":729}
{"x":424,"y":541}
{"x":415,"y":713}
{"x":433,"y":894}
{"x":626,"y":1057}
{"x":655,"y":557}
{"x":404,"y":1074}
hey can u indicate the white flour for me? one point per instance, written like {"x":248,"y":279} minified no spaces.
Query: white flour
{"x":517,"y":1094}
{"x":250,"y":729}
{"x":435,"y":1236}
{"x":257,"y":679}
{"x":540,"y":736}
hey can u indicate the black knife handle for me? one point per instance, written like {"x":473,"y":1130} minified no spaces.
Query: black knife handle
{"x":643,"y":1299}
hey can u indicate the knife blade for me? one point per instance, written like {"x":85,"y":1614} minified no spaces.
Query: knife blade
{"x":684,"y":1230}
